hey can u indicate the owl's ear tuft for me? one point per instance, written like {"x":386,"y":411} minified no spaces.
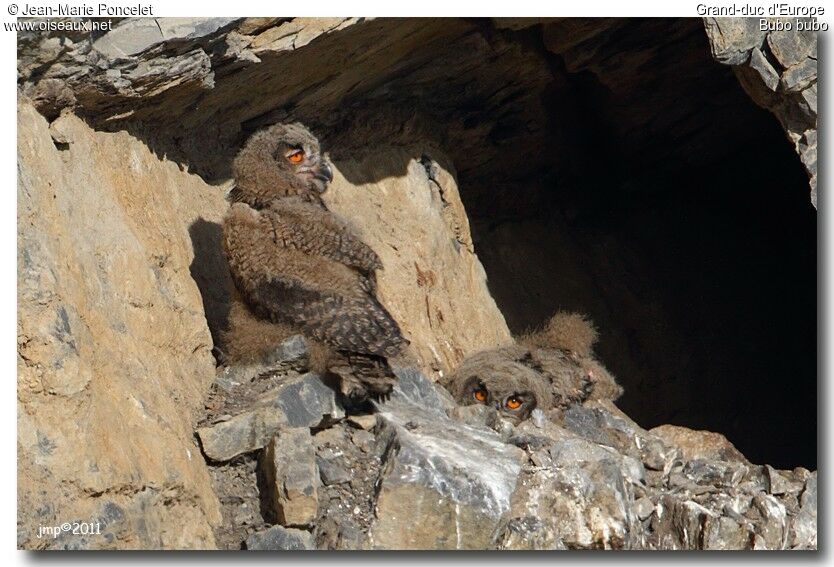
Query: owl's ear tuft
{"x":565,"y":331}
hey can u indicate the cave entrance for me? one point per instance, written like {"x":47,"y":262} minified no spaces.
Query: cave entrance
{"x":675,"y":213}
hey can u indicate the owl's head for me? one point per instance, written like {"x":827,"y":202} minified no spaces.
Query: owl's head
{"x":283,"y":160}
{"x":495,"y":378}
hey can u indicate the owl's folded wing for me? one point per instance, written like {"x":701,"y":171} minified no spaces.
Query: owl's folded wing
{"x":354,"y":324}
{"x":316,"y":230}
{"x":326,"y":299}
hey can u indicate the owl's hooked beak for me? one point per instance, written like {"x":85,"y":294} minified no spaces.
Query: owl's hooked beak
{"x":322,"y":175}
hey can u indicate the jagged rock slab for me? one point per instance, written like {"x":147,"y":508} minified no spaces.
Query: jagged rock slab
{"x":415,"y":389}
{"x":331,"y":472}
{"x":601,"y":425}
{"x":444,"y":485}
{"x":694,"y":444}
{"x":132,"y":36}
{"x":292,"y":354}
{"x":279,"y":538}
{"x":803,"y":533}
{"x":304,"y":402}
{"x":289,"y":467}
{"x":582,"y":500}
{"x":732,"y":39}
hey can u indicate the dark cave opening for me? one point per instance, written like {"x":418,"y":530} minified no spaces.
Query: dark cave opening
{"x":691,"y":245}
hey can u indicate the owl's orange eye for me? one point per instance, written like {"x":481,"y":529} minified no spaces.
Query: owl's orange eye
{"x":513,"y":403}
{"x":296,"y":156}
{"x":480,"y":395}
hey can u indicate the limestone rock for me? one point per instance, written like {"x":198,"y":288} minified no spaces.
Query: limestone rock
{"x":732,"y":39}
{"x":304,"y":402}
{"x":803,"y":533}
{"x":768,"y":74}
{"x":583,"y":500}
{"x":444,"y":485}
{"x":292,"y":354}
{"x":292,"y":478}
{"x":114,"y":355}
{"x":698,"y":444}
{"x":785,"y":84}
{"x":279,"y":538}
{"x":416,"y":223}
{"x":331,"y":472}
{"x":132,"y":36}
{"x":792,"y":47}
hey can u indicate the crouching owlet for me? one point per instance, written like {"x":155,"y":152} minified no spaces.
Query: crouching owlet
{"x":553,"y":367}
{"x":298,"y":267}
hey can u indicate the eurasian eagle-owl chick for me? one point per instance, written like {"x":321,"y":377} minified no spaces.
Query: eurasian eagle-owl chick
{"x":298,"y":267}
{"x":553,"y":367}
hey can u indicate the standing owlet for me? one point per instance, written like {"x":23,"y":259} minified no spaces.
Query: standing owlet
{"x":553,"y":367}
{"x":298,"y":267}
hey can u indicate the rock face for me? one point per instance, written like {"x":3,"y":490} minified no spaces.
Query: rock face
{"x":778,"y":69}
{"x":444,"y":485}
{"x":419,"y":228}
{"x":114,"y":356}
{"x":289,"y":465}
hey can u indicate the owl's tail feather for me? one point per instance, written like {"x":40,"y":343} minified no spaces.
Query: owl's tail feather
{"x":363,"y":376}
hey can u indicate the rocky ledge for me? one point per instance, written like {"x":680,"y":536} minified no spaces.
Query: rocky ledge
{"x":294,"y":470}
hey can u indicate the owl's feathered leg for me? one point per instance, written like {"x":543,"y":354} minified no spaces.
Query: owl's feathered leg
{"x":362,"y":376}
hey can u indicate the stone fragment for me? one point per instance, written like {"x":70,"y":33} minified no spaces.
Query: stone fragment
{"x":694,"y":444}
{"x":366,"y":422}
{"x":581,"y":501}
{"x":679,"y":523}
{"x":714,"y":473}
{"x":768,"y":74}
{"x":444,"y":485}
{"x":304,"y":402}
{"x":779,"y":483}
{"x":365,"y":440}
{"x":791,"y":46}
{"x":132,"y":36}
{"x":331,"y":471}
{"x":599,"y":425}
{"x":292,"y":354}
{"x":280,"y":538}
{"x":643,"y":508}
{"x":809,"y":98}
{"x":732,"y":39}
{"x":414,"y":388}
{"x":725,"y":533}
{"x":804,"y":526}
{"x":771,"y":523}
{"x":800,"y":76}
{"x":292,"y":477}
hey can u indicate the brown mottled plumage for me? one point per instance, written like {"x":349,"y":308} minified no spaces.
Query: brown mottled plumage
{"x":551,"y":368}
{"x":297,"y":265}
